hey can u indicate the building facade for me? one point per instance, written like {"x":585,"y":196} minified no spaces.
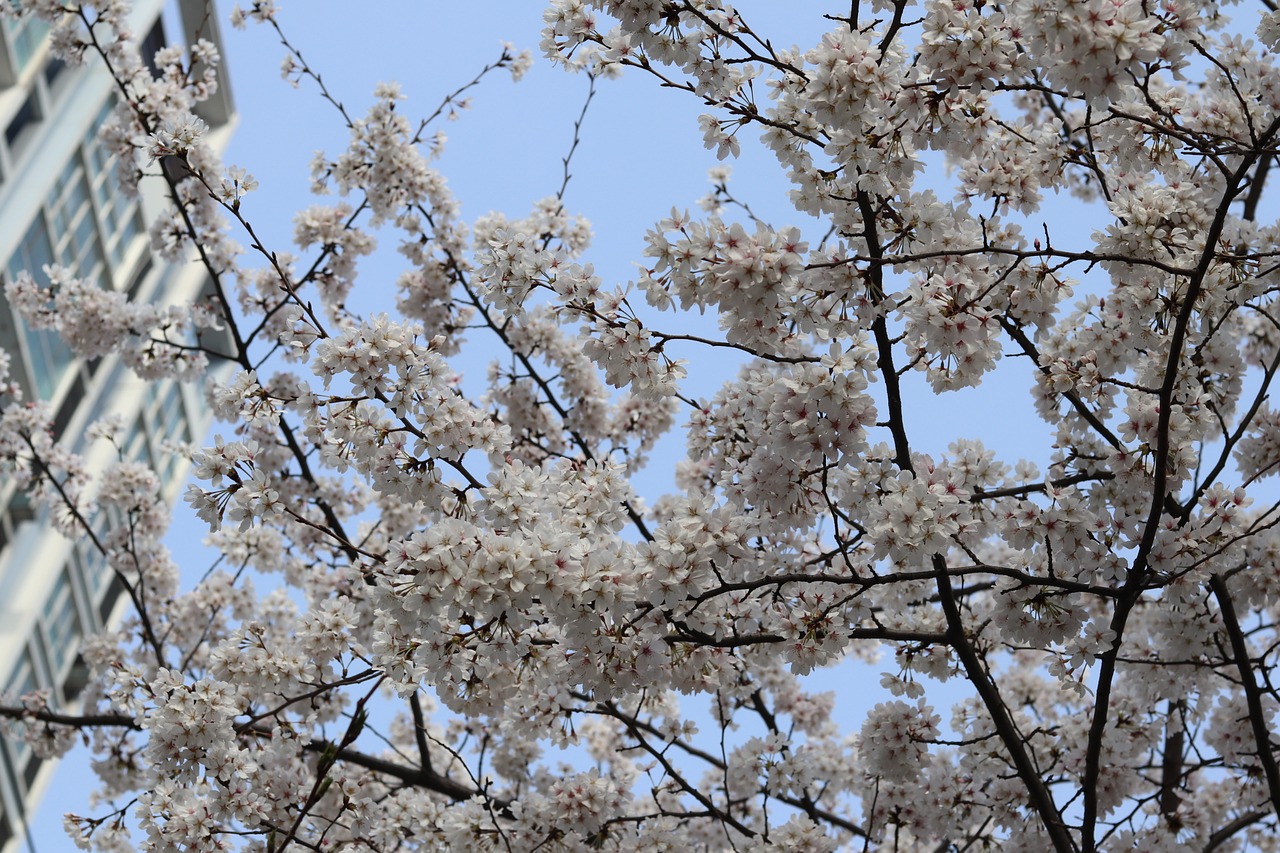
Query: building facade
{"x":60,"y":204}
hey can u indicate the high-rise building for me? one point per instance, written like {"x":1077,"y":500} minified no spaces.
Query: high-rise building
{"x":60,"y":204}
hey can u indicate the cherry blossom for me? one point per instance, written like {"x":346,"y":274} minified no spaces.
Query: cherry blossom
{"x":448,"y":616}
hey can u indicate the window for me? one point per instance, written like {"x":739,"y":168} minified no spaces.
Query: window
{"x":50,"y":359}
{"x":26,"y":116}
{"x":72,"y":224}
{"x":31,"y":768}
{"x":170,"y":424}
{"x":86,"y":222}
{"x":20,"y":508}
{"x":150,"y":45}
{"x":25,"y":34}
{"x":100,"y":582}
{"x":175,"y":424}
{"x":21,"y":682}
{"x":136,"y":447}
{"x":23,"y":679}
{"x":218,"y":339}
{"x":62,"y":624}
{"x":119,"y":214}
{"x":53,"y":70}
{"x":71,"y":402}
{"x":114,"y":589}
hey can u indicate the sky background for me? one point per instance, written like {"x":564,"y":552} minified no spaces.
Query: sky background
{"x":641,"y":153}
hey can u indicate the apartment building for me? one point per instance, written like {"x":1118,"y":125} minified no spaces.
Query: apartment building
{"x":60,"y":203}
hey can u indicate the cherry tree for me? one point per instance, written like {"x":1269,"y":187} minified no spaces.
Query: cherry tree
{"x":479,"y":636}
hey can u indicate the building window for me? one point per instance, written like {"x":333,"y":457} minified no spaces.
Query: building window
{"x":137,"y":449}
{"x":101,"y":583}
{"x":219,"y":339}
{"x":114,"y":588}
{"x":49,"y":358}
{"x":71,"y":402}
{"x":174,"y":426}
{"x":25,"y":34}
{"x":24,"y":119}
{"x":31,"y":768}
{"x":151,"y":45}
{"x":119,"y":215}
{"x":20,"y":508}
{"x":72,"y":225}
{"x":169,"y":423}
{"x":62,"y":625}
{"x":88,"y":226}
{"x":21,"y":682}
{"x":53,"y":70}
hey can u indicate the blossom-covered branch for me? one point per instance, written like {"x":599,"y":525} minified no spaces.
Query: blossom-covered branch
{"x":481,"y":635}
